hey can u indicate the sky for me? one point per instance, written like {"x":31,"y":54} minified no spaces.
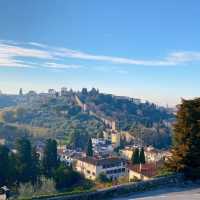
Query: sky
{"x":138,"y":48}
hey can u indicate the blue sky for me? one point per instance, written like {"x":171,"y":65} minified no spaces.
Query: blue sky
{"x":139,"y":48}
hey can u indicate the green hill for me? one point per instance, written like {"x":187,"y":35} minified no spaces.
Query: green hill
{"x":64,"y":118}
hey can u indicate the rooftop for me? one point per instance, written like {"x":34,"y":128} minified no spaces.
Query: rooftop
{"x":148,"y":169}
{"x":98,"y":162}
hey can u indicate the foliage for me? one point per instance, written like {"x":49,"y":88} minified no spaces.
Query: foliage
{"x":66,"y":177}
{"x":186,"y":149}
{"x":142,"y":156}
{"x":25,"y":190}
{"x":135,"y":156}
{"x":45,"y":186}
{"x":4,"y":165}
{"x":89,"y":150}
{"x":50,"y":158}
{"x":27,"y":161}
{"x":102,"y":178}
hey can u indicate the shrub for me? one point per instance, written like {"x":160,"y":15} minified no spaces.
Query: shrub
{"x":102,"y":178}
{"x":66,"y":177}
{"x":44,"y":186}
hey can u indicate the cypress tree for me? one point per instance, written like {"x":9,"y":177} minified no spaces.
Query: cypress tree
{"x":142,"y":156}
{"x":4,"y":165}
{"x":24,"y":159}
{"x":89,"y":150}
{"x":186,"y":147}
{"x":50,"y":158}
{"x":35,"y":166}
{"x":136,"y":157}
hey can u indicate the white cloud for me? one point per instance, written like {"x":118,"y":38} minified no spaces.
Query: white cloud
{"x":61,"y":66}
{"x":14,"y":54}
{"x":38,"y":44}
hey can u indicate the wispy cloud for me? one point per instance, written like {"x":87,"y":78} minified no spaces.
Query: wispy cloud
{"x":38,"y":44}
{"x":61,"y":66}
{"x":33,"y":54}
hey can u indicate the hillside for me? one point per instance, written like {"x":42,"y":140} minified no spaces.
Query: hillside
{"x":74,"y":116}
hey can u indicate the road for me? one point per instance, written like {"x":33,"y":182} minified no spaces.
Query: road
{"x":177,"y":193}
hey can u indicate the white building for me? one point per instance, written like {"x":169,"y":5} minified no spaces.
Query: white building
{"x":113,"y":168}
{"x":101,"y":147}
{"x":155,"y":155}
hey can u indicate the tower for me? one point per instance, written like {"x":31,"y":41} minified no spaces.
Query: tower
{"x":20,"y":92}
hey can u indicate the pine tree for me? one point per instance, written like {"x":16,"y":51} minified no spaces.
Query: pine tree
{"x":186,"y":149}
{"x":142,"y":156}
{"x":89,"y":150}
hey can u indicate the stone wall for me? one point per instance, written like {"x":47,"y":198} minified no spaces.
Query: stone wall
{"x":116,"y":191}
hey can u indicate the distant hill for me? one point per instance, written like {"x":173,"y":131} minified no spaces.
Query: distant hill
{"x":72,"y":117}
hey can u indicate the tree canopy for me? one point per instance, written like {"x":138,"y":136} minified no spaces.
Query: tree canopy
{"x":186,"y":147}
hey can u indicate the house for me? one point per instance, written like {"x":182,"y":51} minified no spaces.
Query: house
{"x":67,"y":156}
{"x":142,"y":172}
{"x":101,"y":147}
{"x":115,"y":138}
{"x":127,"y":153}
{"x":112,"y":167}
{"x":2,"y":141}
{"x":155,"y":155}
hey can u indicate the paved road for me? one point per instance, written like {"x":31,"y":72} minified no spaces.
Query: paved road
{"x":178,"y":193}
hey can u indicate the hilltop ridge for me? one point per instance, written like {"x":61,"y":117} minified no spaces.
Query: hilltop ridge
{"x":71,"y":114}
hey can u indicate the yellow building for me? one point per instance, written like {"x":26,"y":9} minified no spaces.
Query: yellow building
{"x":127,"y":153}
{"x":115,"y":138}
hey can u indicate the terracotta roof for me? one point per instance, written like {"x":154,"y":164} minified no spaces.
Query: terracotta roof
{"x":104,"y":161}
{"x":148,"y":169}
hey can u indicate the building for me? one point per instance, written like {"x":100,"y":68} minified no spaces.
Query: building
{"x":63,"y":91}
{"x":66,"y":156}
{"x":52,"y":92}
{"x":115,"y":139}
{"x":101,"y":147}
{"x":2,"y":141}
{"x":127,"y":153}
{"x":113,"y":168}
{"x":142,"y":172}
{"x":155,"y":155}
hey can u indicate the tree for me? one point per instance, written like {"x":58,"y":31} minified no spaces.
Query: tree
{"x":35,"y":166}
{"x":142,"y":156}
{"x":100,"y":135}
{"x":65,"y":177}
{"x":89,"y":150}
{"x":24,"y":160}
{"x":4,"y":165}
{"x":135,"y":157}
{"x":50,"y":159}
{"x":20,"y":113}
{"x":8,"y":116}
{"x":102,"y":178}
{"x":186,"y":147}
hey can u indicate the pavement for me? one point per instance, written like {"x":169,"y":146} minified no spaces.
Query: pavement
{"x":175,"y":193}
